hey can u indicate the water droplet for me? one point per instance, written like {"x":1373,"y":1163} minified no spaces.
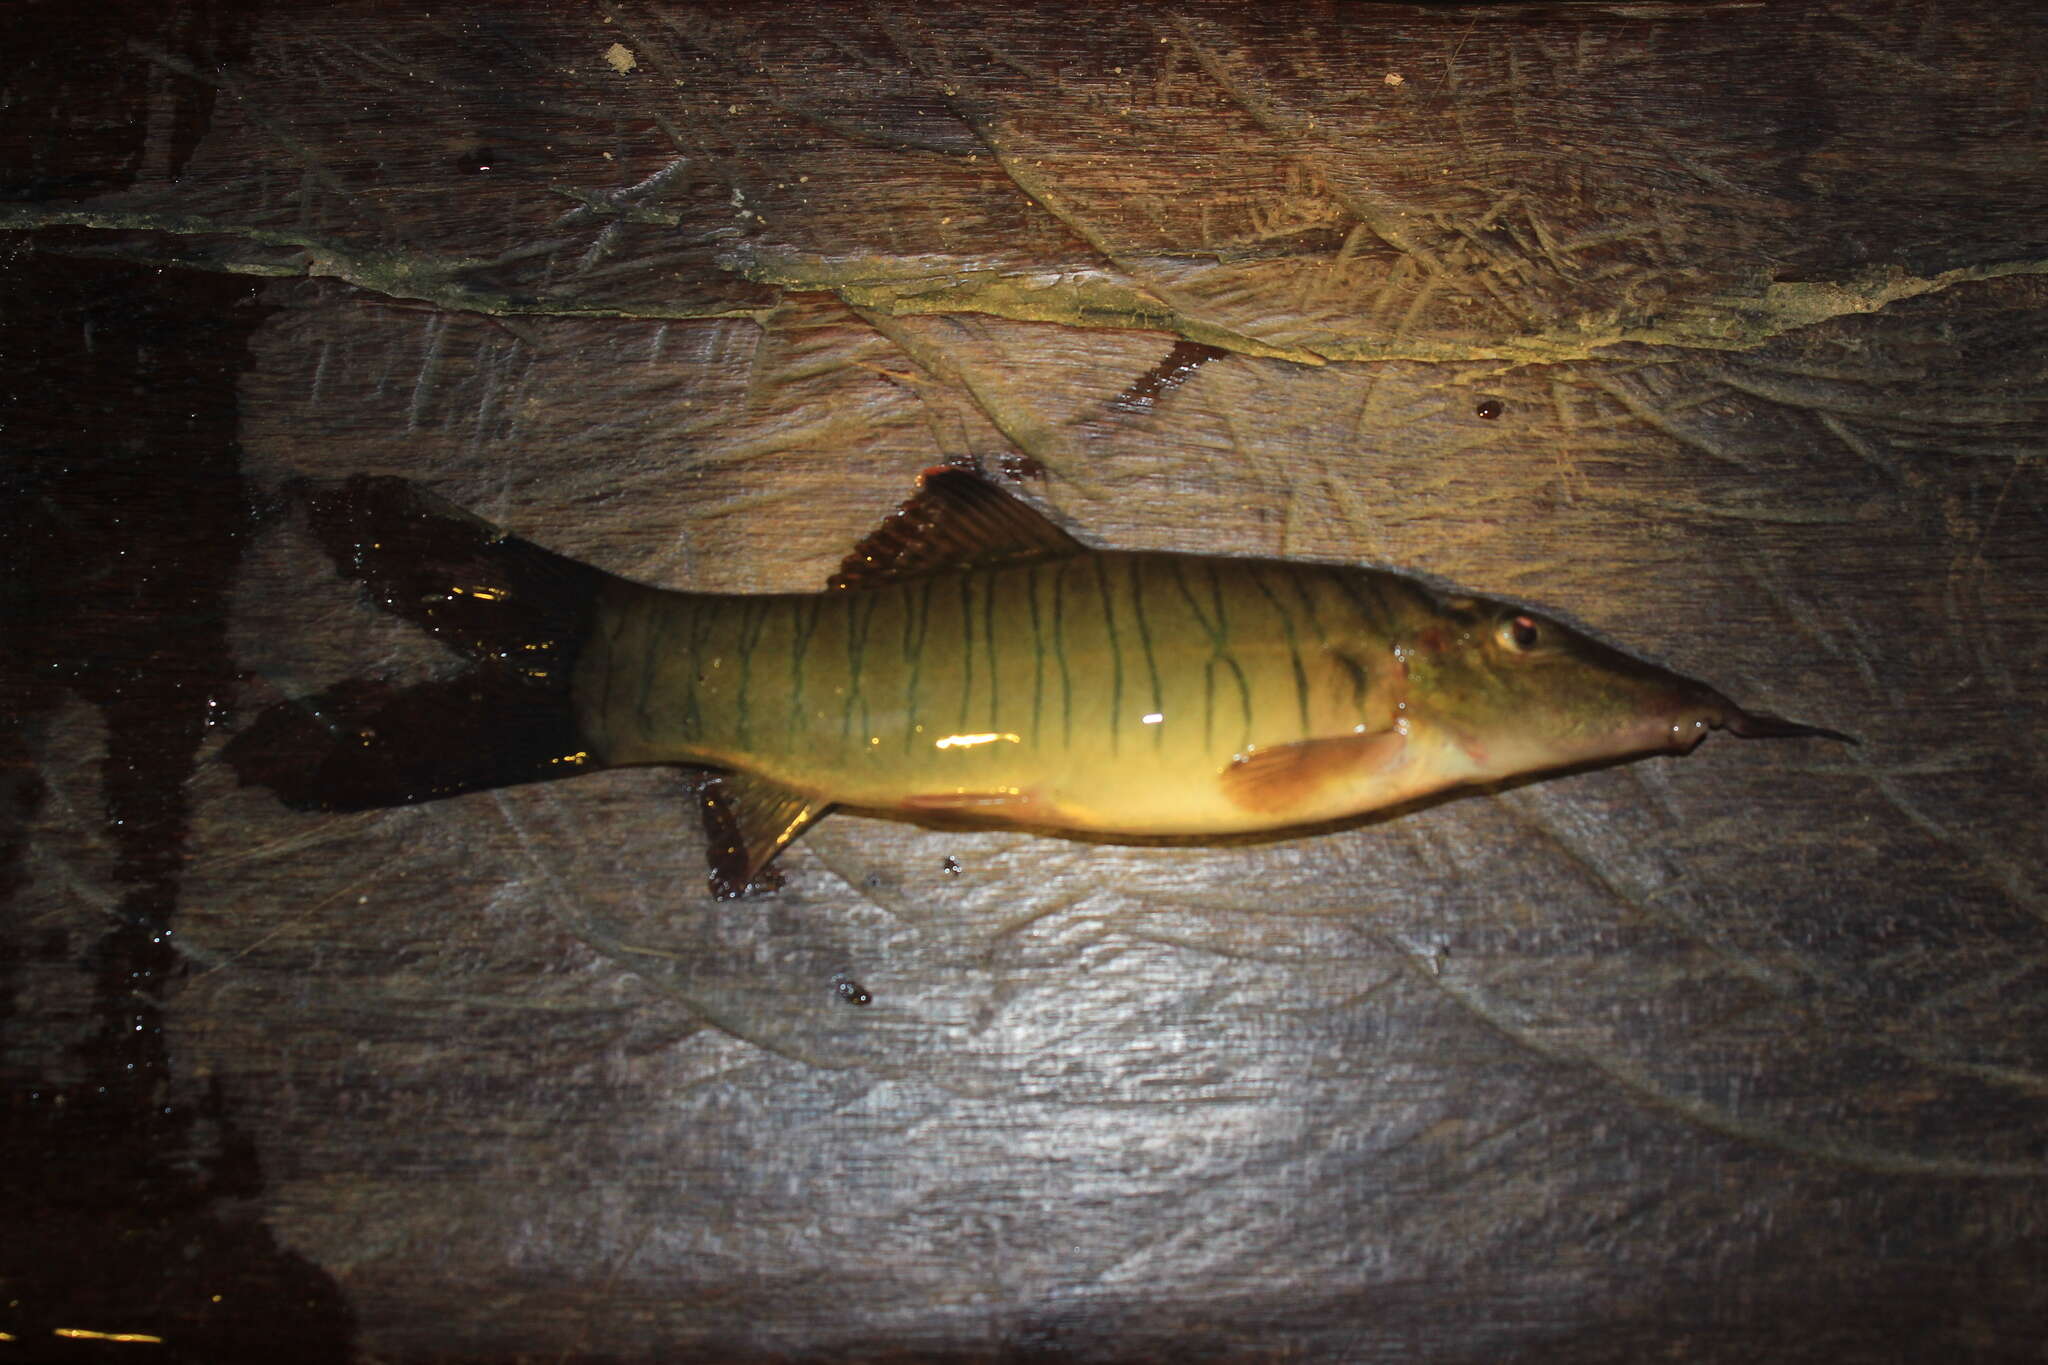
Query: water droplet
{"x":951,"y":866}
{"x":1490,"y":408}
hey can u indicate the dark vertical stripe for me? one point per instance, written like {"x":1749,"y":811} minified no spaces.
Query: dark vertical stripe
{"x":860,"y":611}
{"x":611,"y":624}
{"x":966,"y":648}
{"x":1244,"y":694}
{"x":1360,"y":676}
{"x":988,"y":636}
{"x":1215,"y":621}
{"x":1259,"y":573}
{"x":1180,"y":578}
{"x":703,"y":620}
{"x":1327,"y":650}
{"x":1116,"y":655}
{"x":1209,"y":705}
{"x":754,"y":612}
{"x":1373,"y":617}
{"x":1179,"y":564}
{"x":1299,"y":578}
{"x":917,"y":620}
{"x":1222,"y":616}
{"x":803,"y":623}
{"x":657,"y":616}
{"x":1342,"y":650}
{"x":1059,"y":649}
{"x":1145,"y":639}
{"x":687,"y":714}
{"x":1037,"y":655}
{"x":652,"y":637}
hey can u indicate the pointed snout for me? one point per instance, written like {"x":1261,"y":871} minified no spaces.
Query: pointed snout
{"x":1702,"y":709}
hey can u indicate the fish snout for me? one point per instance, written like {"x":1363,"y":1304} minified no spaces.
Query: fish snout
{"x":1705,"y":710}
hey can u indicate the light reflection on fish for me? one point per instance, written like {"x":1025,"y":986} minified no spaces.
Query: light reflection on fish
{"x":970,"y":661}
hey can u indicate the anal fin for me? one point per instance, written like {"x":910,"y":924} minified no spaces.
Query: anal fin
{"x":749,"y":820}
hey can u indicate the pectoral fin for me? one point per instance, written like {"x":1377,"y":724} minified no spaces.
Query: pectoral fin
{"x":749,"y":820}
{"x":1284,"y":778}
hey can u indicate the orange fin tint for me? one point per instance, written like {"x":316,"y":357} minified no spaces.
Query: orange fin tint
{"x":749,"y":820}
{"x":1287,"y":777}
{"x":954,"y":521}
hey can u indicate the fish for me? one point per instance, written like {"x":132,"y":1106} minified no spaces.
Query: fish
{"x":971,"y":661}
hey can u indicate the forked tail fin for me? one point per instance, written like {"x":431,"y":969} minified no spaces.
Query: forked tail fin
{"x":518,"y":612}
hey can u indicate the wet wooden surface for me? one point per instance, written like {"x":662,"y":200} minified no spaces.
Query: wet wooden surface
{"x":1718,"y":328}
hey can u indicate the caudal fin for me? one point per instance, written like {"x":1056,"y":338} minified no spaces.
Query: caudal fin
{"x":519,"y":613}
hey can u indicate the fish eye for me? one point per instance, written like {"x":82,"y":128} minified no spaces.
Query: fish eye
{"x":1520,"y":633}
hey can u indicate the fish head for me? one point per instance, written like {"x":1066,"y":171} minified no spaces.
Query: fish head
{"x":1508,"y":691}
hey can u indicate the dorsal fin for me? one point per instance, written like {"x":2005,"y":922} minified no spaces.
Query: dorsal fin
{"x":953,"y":521}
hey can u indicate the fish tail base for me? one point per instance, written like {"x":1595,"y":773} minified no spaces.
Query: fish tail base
{"x":521,"y":614}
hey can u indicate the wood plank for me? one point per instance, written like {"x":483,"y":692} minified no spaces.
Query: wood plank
{"x":1718,"y":329}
